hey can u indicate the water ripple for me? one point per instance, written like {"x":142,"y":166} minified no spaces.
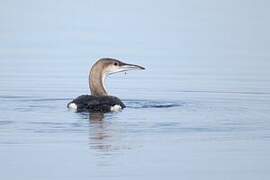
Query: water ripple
{"x":138,"y":104}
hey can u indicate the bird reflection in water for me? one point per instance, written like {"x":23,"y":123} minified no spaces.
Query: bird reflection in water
{"x":101,"y":134}
{"x":96,"y":117}
{"x":105,"y":135}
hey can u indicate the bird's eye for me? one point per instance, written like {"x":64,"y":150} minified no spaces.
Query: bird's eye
{"x":116,"y":64}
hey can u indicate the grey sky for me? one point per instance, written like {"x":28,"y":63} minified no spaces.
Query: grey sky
{"x":179,"y":28}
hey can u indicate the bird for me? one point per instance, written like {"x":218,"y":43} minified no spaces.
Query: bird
{"x":100,"y":100}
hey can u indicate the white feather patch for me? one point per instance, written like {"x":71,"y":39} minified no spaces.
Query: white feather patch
{"x":116,"y":108}
{"x":72,"y":106}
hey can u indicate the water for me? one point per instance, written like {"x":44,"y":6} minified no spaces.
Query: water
{"x":200,"y":110}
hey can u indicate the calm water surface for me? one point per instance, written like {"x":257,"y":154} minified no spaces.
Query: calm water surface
{"x":167,"y":130}
{"x":200,"y":110}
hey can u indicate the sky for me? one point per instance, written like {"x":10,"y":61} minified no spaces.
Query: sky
{"x":175,"y":28}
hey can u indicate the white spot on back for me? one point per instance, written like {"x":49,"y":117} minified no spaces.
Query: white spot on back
{"x":72,"y":106}
{"x":116,"y":108}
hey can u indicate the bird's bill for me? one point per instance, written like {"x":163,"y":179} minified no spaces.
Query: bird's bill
{"x":122,"y":67}
{"x":128,"y":67}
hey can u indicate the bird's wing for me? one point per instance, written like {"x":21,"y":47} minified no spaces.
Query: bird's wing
{"x":96,"y":104}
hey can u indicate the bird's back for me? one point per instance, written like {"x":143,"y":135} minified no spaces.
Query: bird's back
{"x":91,"y":103}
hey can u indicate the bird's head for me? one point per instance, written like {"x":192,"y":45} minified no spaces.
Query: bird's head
{"x":111,"y":66}
{"x":104,"y":67}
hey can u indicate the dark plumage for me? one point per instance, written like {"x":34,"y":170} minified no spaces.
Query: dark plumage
{"x":96,"y":103}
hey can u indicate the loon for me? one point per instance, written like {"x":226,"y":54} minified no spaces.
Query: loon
{"x":99,"y":100}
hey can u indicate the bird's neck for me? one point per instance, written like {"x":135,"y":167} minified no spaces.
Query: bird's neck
{"x":97,"y":81}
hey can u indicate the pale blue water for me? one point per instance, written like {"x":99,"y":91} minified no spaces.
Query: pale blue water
{"x":200,"y":110}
